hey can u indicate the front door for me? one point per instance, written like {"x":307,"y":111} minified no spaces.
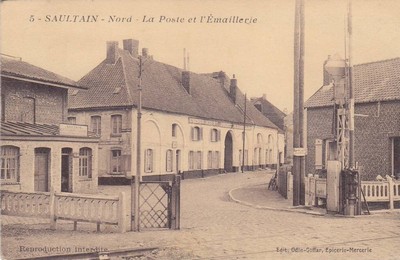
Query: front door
{"x":66,"y":170}
{"x":41,"y":181}
{"x":178,"y":161}
{"x":228,"y":153}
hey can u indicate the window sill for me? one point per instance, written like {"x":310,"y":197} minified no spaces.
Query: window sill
{"x":116,"y":135}
{"x":82,"y":179}
{"x":10,"y":183}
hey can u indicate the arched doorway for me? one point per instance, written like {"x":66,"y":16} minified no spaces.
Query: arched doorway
{"x":228,"y":158}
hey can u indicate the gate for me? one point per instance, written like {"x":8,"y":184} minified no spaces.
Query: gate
{"x":159,"y":204}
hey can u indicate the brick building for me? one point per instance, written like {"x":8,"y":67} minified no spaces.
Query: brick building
{"x":38,"y":149}
{"x":377,"y":121}
{"x":191,"y":123}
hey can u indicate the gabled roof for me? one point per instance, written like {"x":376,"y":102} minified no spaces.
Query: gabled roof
{"x":270,"y":111}
{"x":115,"y":85}
{"x":22,"y":70}
{"x":374,"y":81}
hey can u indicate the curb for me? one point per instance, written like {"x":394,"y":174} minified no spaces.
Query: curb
{"x":270,"y":208}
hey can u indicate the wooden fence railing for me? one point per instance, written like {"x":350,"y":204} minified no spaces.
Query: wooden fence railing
{"x":374,"y":191}
{"x":66,"y":206}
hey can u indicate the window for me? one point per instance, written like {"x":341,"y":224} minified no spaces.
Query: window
{"x":199,"y":158}
{"x":3,"y":107}
{"x":174,"y":129}
{"x":210,"y":160}
{"x":197,"y":133}
{"x":245,"y":157}
{"x":9,"y":163}
{"x":116,"y":161}
{"x":169,"y":161}
{"x":259,"y":139}
{"x":191,"y":160}
{"x":216,"y":160}
{"x":85,"y":162}
{"x":215,"y":135}
{"x":148,"y":160}
{"x":116,"y":124}
{"x":95,"y":122}
{"x":71,"y":120}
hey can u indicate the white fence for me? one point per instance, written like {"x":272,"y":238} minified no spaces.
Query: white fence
{"x":374,"y":191}
{"x":66,"y":206}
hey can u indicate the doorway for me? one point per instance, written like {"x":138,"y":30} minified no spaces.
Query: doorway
{"x":42,"y":165}
{"x":228,"y":154}
{"x":178,"y":161}
{"x":396,"y":157}
{"x":66,"y":170}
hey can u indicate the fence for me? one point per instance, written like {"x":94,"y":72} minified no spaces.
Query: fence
{"x":66,"y":206}
{"x":374,"y":191}
{"x":285,"y":182}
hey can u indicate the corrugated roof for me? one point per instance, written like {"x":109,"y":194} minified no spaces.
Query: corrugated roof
{"x":10,"y":128}
{"x":21,"y":69}
{"x":162,"y":90}
{"x":374,"y":81}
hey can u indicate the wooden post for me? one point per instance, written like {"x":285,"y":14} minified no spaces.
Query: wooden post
{"x":121,"y":213}
{"x":175,"y":202}
{"x":52,"y":209}
{"x":391,"y":192}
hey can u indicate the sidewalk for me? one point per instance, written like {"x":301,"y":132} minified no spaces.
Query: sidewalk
{"x":258,"y":196}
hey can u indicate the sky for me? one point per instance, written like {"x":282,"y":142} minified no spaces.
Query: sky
{"x":259,"y":53}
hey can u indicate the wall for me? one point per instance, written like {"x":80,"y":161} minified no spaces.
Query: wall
{"x":374,"y":126}
{"x":51,"y":102}
{"x":27,"y":164}
{"x":157,"y":135}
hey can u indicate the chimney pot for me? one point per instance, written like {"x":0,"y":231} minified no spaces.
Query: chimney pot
{"x":186,"y":80}
{"x":233,"y":88}
{"x":145,"y":52}
{"x":112,"y":52}
{"x":264,"y":96}
{"x":132,"y":46}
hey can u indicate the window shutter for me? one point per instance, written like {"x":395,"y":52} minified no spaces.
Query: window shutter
{"x":200,"y":133}
{"x":219,"y":135}
{"x":211,"y":134}
{"x":318,"y":154}
{"x":192,"y":133}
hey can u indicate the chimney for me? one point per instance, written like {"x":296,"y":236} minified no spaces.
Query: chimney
{"x":145,"y":52}
{"x":326,"y":77}
{"x":264,"y":96}
{"x":112,"y":52}
{"x":186,"y":80}
{"x":232,"y":88}
{"x":132,"y":46}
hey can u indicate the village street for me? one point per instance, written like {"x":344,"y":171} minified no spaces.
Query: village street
{"x":213,"y":226}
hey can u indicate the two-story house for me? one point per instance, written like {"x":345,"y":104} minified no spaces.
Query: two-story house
{"x":38,"y":149}
{"x":191,"y":123}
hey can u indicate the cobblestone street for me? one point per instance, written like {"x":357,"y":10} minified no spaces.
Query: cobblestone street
{"x":213,"y":226}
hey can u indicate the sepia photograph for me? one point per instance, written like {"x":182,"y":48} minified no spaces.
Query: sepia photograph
{"x":213,"y":129}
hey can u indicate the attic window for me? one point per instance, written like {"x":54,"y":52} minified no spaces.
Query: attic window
{"x":74,"y":92}
{"x":117,"y":90}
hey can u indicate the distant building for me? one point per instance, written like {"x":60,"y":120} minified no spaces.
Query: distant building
{"x":38,"y":149}
{"x":191,"y":123}
{"x":281,"y":120}
{"x":377,"y":121}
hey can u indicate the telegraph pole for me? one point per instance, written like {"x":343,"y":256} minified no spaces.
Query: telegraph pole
{"x":135,"y":192}
{"x":244,"y":130}
{"x":298,"y":142}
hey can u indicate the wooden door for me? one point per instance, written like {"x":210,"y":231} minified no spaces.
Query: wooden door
{"x":41,"y":169}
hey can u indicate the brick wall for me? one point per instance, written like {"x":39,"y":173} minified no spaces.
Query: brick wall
{"x":50,"y":102}
{"x":373,"y":132}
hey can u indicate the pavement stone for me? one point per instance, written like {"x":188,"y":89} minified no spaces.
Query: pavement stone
{"x":214,"y":226}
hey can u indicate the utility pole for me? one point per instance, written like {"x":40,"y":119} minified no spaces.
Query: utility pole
{"x":244,"y":130}
{"x":298,"y":142}
{"x":351,"y":88}
{"x":135,"y":189}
